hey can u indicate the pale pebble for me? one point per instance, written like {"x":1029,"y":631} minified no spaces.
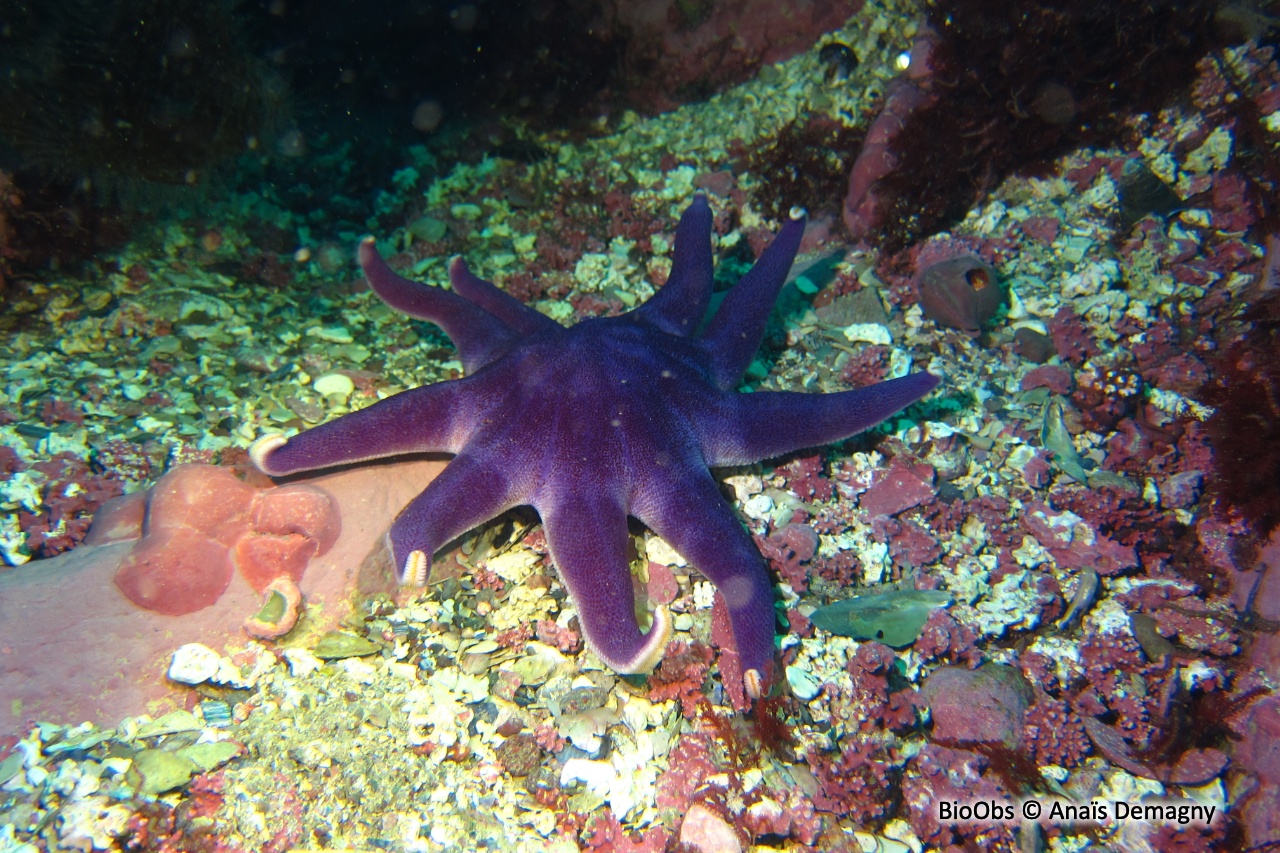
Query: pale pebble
{"x":804,"y":684}
{"x":870,"y":333}
{"x":598,"y":776}
{"x":334,"y":383}
{"x":301,"y":662}
{"x":194,"y":663}
{"x":757,"y":507}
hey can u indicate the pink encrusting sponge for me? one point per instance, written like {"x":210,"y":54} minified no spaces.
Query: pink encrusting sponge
{"x":202,"y":524}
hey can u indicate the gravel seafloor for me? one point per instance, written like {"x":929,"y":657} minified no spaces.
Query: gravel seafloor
{"x":479,"y":722}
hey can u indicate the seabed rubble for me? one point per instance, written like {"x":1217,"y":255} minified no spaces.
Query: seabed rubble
{"x":470,"y":715}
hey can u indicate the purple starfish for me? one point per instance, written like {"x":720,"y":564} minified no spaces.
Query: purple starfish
{"x":612,"y":417}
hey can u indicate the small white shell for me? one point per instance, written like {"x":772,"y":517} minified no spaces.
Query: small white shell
{"x":194,"y":663}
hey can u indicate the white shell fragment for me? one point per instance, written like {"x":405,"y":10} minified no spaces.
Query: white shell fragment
{"x":803,"y":683}
{"x":194,"y":663}
{"x":301,"y":662}
{"x":870,"y":333}
{"x":598,"y":776}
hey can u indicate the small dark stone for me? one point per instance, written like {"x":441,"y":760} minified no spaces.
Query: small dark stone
{"x":542,"y":779}
{"x":1143,"y":193}
{"x":519,"y":754}
{"x":487,"y":711}
{"x":510,"y":726}
{"x":961,"y":293}
{"x":1033,"y":346}
{"x":1154,"y":645}
{"x":582,"y":699}
{"x":949,"y":492}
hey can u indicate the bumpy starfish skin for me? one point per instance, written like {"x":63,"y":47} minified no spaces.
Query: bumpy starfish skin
{"x":612,"y":417}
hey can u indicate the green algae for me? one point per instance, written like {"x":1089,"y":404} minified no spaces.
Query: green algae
{"x":894,"y":618}
{"x":1055,"y":438}
{"x":273,"y":609}
{"x":161,"y":770}
{"x":173,"y":722}
{"x":336,"y":645}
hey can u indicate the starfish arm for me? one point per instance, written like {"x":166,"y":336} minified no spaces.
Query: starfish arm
{"x":479,"y":336}
{"x":517,"y":316}
{"x":467,"y":493}
{"x":684,"y":507}
{"x":679,"y":306}
{"x":751,"y":427}
{"x":587,"y":535}
{"x":433,"y":418}
{"x":733,"y":335}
